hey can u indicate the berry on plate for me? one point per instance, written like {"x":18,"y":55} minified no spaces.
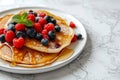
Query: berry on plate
{"x":57,"y":28}
{"x":44,"y":32}
{"x":42,"y":14}
{"x":9,"y":36}
{"x":31,"y":32}
{"x":20,"y":34}
{"x":18,"y":43}
{"x":45,"y":42}
{"x":72,"y":25}
{"x":2,"y":37}
{"x":74,"y":38}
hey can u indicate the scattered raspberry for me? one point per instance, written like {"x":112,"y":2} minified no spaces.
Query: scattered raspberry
{"x":72,"y":25}
{"x":38,"y":27}
{"x":74,"y":38}
{"x":31,"y":17}
{"x":49,"y":26}
{"x":42,"y":21}
{"x":42,"y":14}
{"x":9,"y":36}
{"x":20,"y":27}
{"x":2,"y":30}
{"x":18,"y":43}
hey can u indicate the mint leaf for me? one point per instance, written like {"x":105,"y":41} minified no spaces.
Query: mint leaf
{"x":28,"y":23}
{"x":22,"y":19}
{"x":16,"y":18}
{"x":23,"y":16}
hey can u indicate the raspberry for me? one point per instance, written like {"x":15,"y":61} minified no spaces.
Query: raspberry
{"x":42,"y":14}
{"x":31,"y":17}
{"x":42,"y":21}
{"x":74,"y":38}
{"x":46,"y":36}
{"x":9,"y":36}
{"x":45,"y":32}
{"x":72,"y":25}
{"x":49,"y":26}
{"x":18,"y":43}
{"x":2,"y":31}
{"x":20,"y":27}
{"x":38,"y":27}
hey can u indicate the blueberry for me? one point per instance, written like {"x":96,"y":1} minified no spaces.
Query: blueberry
{"x":48,"y":18}
{"x":30,"y":10}
{"x":79,"y":36}
{"x":38,"y":36}
{"x":35,"y":14}
{"x":11,"y":27}
{"x":31,"y":32}
{"x":57,"y":28}
{"x":45,"y":42}
{"x":20,"y":34}
{"x":52,"y":35}
{"x":53,"y":21}
{"x":2,"y":37}
{"x":37,"y":19}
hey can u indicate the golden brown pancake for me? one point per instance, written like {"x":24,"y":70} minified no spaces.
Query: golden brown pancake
{"x":27,"y":57}
{"x":63,"y":38}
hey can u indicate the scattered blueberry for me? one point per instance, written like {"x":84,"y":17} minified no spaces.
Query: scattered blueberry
{"x":31,"y":32}
{"x":2,"y":37}
{"x":20,"y":34}
{"x":57,"y":28}
{"x":79,"y":36}
{"x":52,"y":35}
{"x":45,"y":42}
{"x":38,"y":36}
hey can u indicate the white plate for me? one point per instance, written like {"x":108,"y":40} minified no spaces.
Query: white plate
{"x":77,"y":46}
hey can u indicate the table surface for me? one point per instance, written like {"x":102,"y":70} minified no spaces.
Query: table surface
{"x":100,"y":59}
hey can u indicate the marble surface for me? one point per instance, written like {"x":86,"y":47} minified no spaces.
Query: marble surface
{"x":100,"y":60}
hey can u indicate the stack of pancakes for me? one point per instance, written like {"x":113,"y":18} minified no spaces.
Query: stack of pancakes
{"x":34,"y":54}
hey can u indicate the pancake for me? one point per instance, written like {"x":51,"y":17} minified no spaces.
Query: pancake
{"x":63,"y":38}
{"x":28,"y":56}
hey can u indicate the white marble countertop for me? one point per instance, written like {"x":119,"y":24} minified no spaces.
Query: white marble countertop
{"x":100,"y":59}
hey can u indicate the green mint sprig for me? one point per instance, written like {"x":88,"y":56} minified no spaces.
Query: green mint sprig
{"x":22,"y":19}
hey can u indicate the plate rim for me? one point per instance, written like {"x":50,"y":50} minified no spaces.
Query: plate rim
{"x":55,"y":66}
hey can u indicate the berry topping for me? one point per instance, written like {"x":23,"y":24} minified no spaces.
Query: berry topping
{"x":20,"y":27}
{"x":57,"y":28}
{"x":9,"y":36}
{"x":42,"y":21}
{"x":52,"y":35}
{"x":30,"y":10}
{"x":38,"y":27}
{"x":11,"y":27}
{"x":79,"y":36}
{"x":45,"y":42}
{"x":12,"y":23}
{"x":74,"y":38}
{"x":18,"y":43}
{"x":49,"y":26}
{"x":72,"y":25}
{"x":38,"y":36}
{"x":53,"y":21}
{"x":44,"y":32}
{"x":47,"y":18}
{"x":2,"y":30}
{"x":31,"y":17}
{"x":20,"y":34}
{"x":2,"y":37}
{"x":31,"y":32}
{"x":42,"y":14}
{"x":37,"y":19}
